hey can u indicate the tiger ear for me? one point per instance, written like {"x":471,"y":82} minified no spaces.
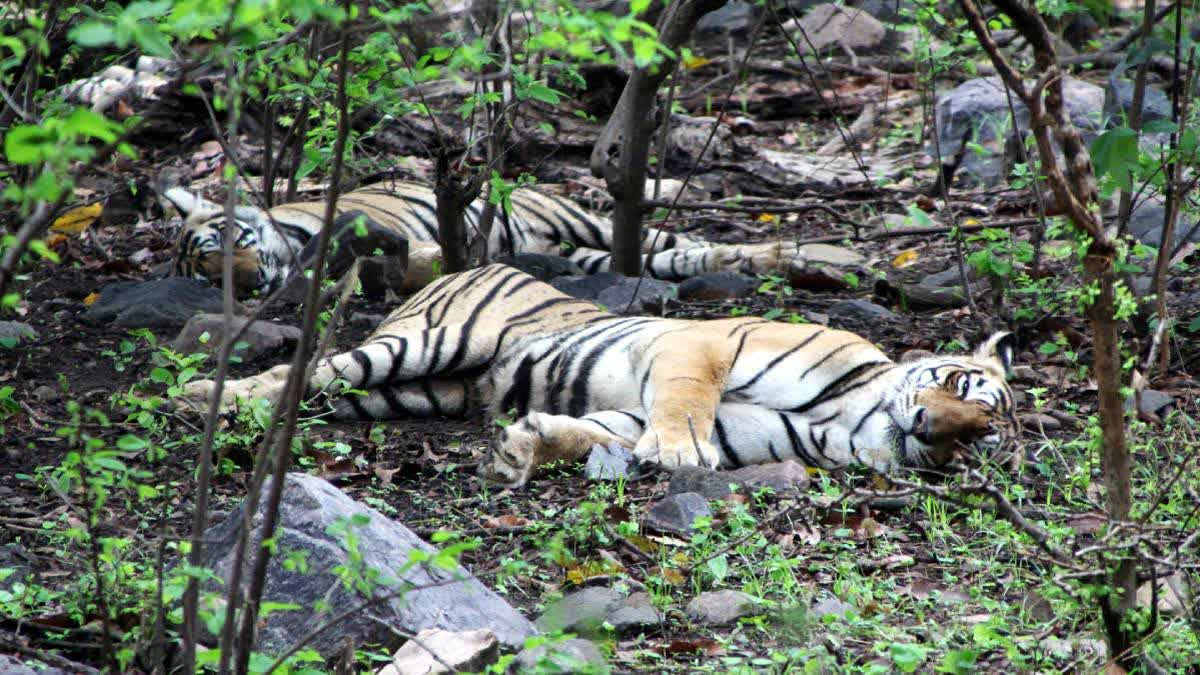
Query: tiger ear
{"x":1000,"y":348}
{"x":188,"y":203}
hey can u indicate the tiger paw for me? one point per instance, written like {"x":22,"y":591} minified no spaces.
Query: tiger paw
{"x":672,"y":455}
{"x":768,"y":258}
{"x":511,"y":457}
{"x":197,"y":394}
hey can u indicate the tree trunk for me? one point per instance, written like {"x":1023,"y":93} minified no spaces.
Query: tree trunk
{"x":620,"y":154}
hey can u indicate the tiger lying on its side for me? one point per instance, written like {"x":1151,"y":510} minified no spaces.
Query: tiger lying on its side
{"x":268,"y":244}
{"x":753,"y":391}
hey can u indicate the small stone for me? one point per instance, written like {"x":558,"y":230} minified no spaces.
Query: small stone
{"x":915,"y":355}
{"x":47,"y":394}
{"x":949,"y":277}
{"x":782,"y":477}
{"x":366,"y":320}
{"x":442,"y":651}
{"x":829,"y":26}
{"x":831,"y":607}
{"x":260,"y":337}
{"x":609,"y":462}
{"x":718,"y":608}
{"x":1057,"y":648}
{"x":857,"y":309}
{"x":650,"y":295}
{"x":1025,"y":374}
{"x":568,"y":656}
{"x":677,"y":513}
{"x":17,"y":330}
{"x":587,"y":610}
{"x":707,"y":483}
{"x":1039,"y":422}
{"x":717,"y":286}
{"x":635,"y":611}
{"x":541,"y":266}
{"x":1153,"y":401}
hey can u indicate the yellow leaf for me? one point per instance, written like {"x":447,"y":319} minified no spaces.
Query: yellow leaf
{"x":768,"y":218}
{"x":77,"y":220}
{"x":905,"y":258}
{"x":91,"y":298}
{"x":692,"y":62}
{"x":55,"y":239}
{"x":880,"y":483}
{"x":970,"y":222}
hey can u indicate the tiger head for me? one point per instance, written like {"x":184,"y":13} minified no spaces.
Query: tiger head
{"x":946,"y":403}
{"x":201,"y":248}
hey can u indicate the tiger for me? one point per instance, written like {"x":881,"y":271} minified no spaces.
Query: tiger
{"x":712,"y":393}
{"x":270,"y":244}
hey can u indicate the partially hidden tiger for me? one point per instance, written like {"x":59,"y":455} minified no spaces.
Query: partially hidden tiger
{"x":713,"y":393}
{"x":270,"y":245}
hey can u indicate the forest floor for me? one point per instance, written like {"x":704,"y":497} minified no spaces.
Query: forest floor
{"x":915,"y":583}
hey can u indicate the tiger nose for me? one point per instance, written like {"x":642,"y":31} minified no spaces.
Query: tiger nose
{"x":922,"y":428}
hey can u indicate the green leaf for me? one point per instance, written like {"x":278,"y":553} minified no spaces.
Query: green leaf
{"x":543,"y":93}
{"x":907,"y":657}
{"x":958,"y":662}
{"x":92,"y":34}
{"x":87,"y":123}
{"x":26,"y":144}
{"x":1115,"y":154}
{"x":638,"y":6}
{"x":131,"y":443}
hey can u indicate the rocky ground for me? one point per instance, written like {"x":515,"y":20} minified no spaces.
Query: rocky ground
{"x":809,"y":575}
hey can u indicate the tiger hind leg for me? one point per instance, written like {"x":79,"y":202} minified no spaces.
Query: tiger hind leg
{"x":538,"y":439}
{"x":430,"y":397}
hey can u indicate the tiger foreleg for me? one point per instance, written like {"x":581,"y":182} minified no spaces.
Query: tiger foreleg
{"x":197,"y":394}
{"x":539,"y":439}
{"x":681,"y":394}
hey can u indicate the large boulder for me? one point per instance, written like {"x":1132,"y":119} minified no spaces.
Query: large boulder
{"x":158,"y":303}
{"x":314,"y":518}
{"x":976,"y":112}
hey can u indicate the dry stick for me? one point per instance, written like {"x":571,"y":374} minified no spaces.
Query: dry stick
{"x":945,"y":190}
{"x":1179,"y":105}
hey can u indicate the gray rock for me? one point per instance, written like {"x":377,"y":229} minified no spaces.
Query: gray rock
{"x":1057,"y":648}
{"x":717,"y":286}
{"x":830,"y":606}
{"x":1146,"y":225}
{"x":586,"y":611}
{"x":17,"y":330}
{"x":676,"y":513}
{"x":310,"y":508}
{"x":1118,"y":99}
{"x":949,"y":277}
{"x":568,"y":656}
{"x":47,"y":394}
{"x":541,"y":266}
{"x":158,"y":303}
{"x":829,"y":26}
{"x":12,"y":665}
{"x":609,"y":462}
{"x":857,"y":309}
{"x":976,"y":112}
{"x":20,"y":561}
{"x":718,"y":608}
{"x":1153,"y":401}
{"x":733,"y":18}
{"x":636,"y":611}
{"x":783,"y":477}
{"x":707,"y":483}
{"x":433,"y":650}
{"x":260,"y":337}
{"x":650,"y":295}
{"x":587,"y":287}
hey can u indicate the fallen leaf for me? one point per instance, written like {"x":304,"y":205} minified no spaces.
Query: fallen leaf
{"x":905,"y":258}
{"x":91,"y":298}
{"x":77,"y":219}
{"x":692,"y":62}
{"x":670,"y":575}
{"x":767,"y":218}
{"x":506,"y":521}
{"x":385,"y":475}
